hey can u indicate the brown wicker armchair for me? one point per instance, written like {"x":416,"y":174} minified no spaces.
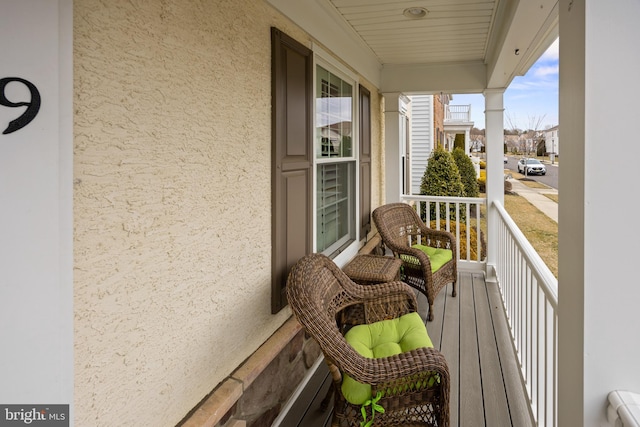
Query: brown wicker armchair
{"x":400,"y":227}
{"x":318,"y":291}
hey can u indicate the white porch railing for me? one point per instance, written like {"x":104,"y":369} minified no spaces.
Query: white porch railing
{"x":472,"y":249}
{"x":457,"y":113}
{"x":528,"y":288}
{"x":530,"y":296}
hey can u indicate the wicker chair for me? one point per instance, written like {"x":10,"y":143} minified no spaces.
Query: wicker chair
{"x":318,"y":291}
{"x":400,"y":227}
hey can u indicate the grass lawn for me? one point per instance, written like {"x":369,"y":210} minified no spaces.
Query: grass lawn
{"x":539,"y":229}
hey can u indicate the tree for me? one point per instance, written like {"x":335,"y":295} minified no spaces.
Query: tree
{"x":534,"y":134}
{"x":477,"y":139}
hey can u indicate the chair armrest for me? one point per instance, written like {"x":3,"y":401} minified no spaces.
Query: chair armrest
{"x":388,"y":369}
{"x":389,"y":290}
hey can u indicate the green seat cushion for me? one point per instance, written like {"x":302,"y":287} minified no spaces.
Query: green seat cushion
{"x":383,"y":339}
{"x":437,"y":256}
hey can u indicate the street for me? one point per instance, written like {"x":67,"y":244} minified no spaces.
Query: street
{"x":550,"y":179}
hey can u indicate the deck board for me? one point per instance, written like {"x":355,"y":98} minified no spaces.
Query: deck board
{"x":518,"y":402}
{"x":472,"y":333}
{"x":496,"y":406}
{"x":449,"y":346}
{"x":470,"y":394}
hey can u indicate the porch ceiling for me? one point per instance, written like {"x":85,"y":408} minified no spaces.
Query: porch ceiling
{"x":451,"y":31}
{"x":458,"y":46}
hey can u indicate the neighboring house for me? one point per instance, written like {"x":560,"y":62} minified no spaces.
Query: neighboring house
{"x":552,"y":141}
{"x":433,"y":122}
{"x":185,"y":153}
{"x":440,"y":102}
{"x":457,"y":120}
{"x":422,"y":137}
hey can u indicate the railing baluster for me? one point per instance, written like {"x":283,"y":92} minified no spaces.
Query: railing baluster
{"x":530,"y":297}
{"x":450,"y":220}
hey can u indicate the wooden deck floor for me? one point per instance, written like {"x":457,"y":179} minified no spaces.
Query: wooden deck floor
{"x":472,"y":333}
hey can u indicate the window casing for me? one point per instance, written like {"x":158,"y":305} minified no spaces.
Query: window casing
{"x":336,"y":161}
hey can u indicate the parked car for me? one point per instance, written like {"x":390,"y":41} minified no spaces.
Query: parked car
{"x":532,"y":166}
{"x":505,"y":159}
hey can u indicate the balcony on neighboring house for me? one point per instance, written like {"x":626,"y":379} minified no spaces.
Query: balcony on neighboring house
{"x":499,"y":335}
{"x":457,"y":113}
{"x":457,"y":120}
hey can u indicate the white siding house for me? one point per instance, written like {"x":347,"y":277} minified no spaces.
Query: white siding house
{"x":552,"y":141}
{"x":422,"y":138}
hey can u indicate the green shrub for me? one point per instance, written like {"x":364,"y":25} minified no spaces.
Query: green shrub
{"x":482,"y":184}
{"x":441,"y":178}
{"x":467,"y":173}
{"x":482,"y":181}
{"x":459,"y":141}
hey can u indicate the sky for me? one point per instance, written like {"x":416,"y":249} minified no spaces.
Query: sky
{"x":527,"y":99}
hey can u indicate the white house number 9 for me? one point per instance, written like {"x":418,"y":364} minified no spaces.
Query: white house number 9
{"x":33,"y":106}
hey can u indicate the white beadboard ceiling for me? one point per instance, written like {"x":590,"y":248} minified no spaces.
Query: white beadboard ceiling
{"x":460,"y":46}
{"x":451,"y":31}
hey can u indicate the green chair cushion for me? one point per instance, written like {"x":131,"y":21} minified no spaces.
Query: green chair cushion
{"x":437,"y":256}
{"x":383,"y":339}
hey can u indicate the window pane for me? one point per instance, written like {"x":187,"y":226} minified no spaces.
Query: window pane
{"x":336,"y":211}
{"x":334,"y":119}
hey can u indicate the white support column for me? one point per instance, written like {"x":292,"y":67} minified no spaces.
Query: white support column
{"x":393,"y":147}
{"x":597,"y":286}
{"x":36,"y":208}
{"x":467,"y":136}
{"x":494,"y":116}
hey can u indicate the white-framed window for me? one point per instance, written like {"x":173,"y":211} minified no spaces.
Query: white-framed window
{"x":336,"y":160}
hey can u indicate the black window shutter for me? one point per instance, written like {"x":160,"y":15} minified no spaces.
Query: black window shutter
{"x":365,"y":162}
{"x":292,"y":161}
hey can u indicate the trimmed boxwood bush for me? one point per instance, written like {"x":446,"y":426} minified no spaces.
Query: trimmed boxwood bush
{"x":441,"y":178}
{"x":467,"y":173}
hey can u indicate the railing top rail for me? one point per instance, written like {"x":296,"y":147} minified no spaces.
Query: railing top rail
{"x":444,"y":199}
{"x":546,"y":280}
{"x":459,"y":107}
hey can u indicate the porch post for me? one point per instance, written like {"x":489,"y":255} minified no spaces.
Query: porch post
{"x":494,"y":117}
{"x":598,"y":292}
{"x":36,"y":205}
{"x":394,"y":114}
{"x":467,"y":136}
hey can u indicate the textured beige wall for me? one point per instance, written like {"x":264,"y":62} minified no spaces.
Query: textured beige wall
{"x":171,"y":201}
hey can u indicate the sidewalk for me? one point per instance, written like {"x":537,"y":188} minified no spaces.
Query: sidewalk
{"x":536,"y":196}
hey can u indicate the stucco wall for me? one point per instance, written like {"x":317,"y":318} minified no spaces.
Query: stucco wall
{"x":171,"y":201}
